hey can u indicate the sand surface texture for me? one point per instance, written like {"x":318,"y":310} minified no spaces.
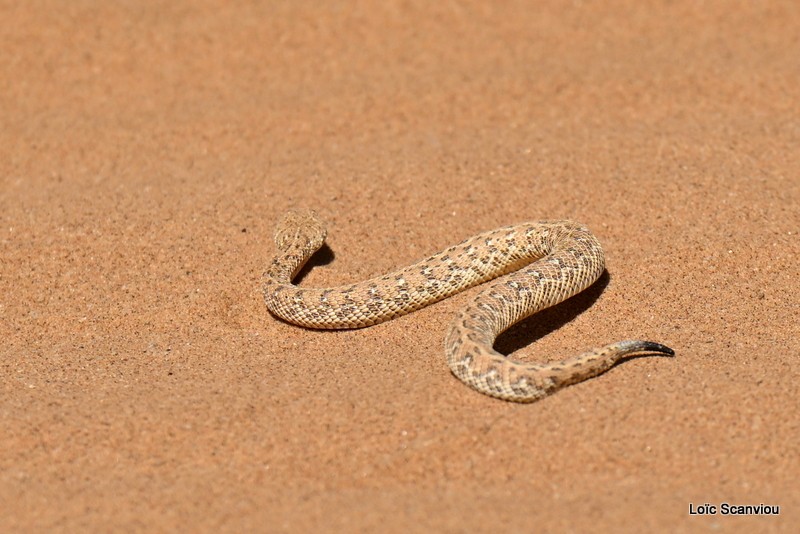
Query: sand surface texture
{"x":147,"y":148}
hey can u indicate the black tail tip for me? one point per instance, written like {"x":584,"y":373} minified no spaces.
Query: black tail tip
{"x":629,"y":347}
{"x":657,"y":347}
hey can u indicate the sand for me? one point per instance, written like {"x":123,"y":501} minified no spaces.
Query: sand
{"x":146,"y":151}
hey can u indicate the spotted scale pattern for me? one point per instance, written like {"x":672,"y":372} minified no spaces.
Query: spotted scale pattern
{"x":534,"y":266}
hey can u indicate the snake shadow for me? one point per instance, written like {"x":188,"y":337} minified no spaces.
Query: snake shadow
{"x":323,"y":256}
{"x":548,"y":320}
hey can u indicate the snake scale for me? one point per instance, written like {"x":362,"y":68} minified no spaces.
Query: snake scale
{"x":534,"y":265}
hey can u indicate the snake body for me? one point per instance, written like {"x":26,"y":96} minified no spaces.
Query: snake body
{"x":536,"y":265}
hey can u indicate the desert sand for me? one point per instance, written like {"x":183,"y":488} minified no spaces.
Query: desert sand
{"x":147,"y":148}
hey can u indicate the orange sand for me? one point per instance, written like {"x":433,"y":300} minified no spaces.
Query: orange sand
{"x":146,"y":151}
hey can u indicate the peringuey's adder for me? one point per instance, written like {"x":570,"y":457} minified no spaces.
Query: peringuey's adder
{"x":536,"y":265}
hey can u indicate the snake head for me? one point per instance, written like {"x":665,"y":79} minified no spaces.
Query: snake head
{"x":300,"y":228}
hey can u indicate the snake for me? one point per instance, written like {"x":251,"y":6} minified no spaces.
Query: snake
{"x":527,"y":267}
